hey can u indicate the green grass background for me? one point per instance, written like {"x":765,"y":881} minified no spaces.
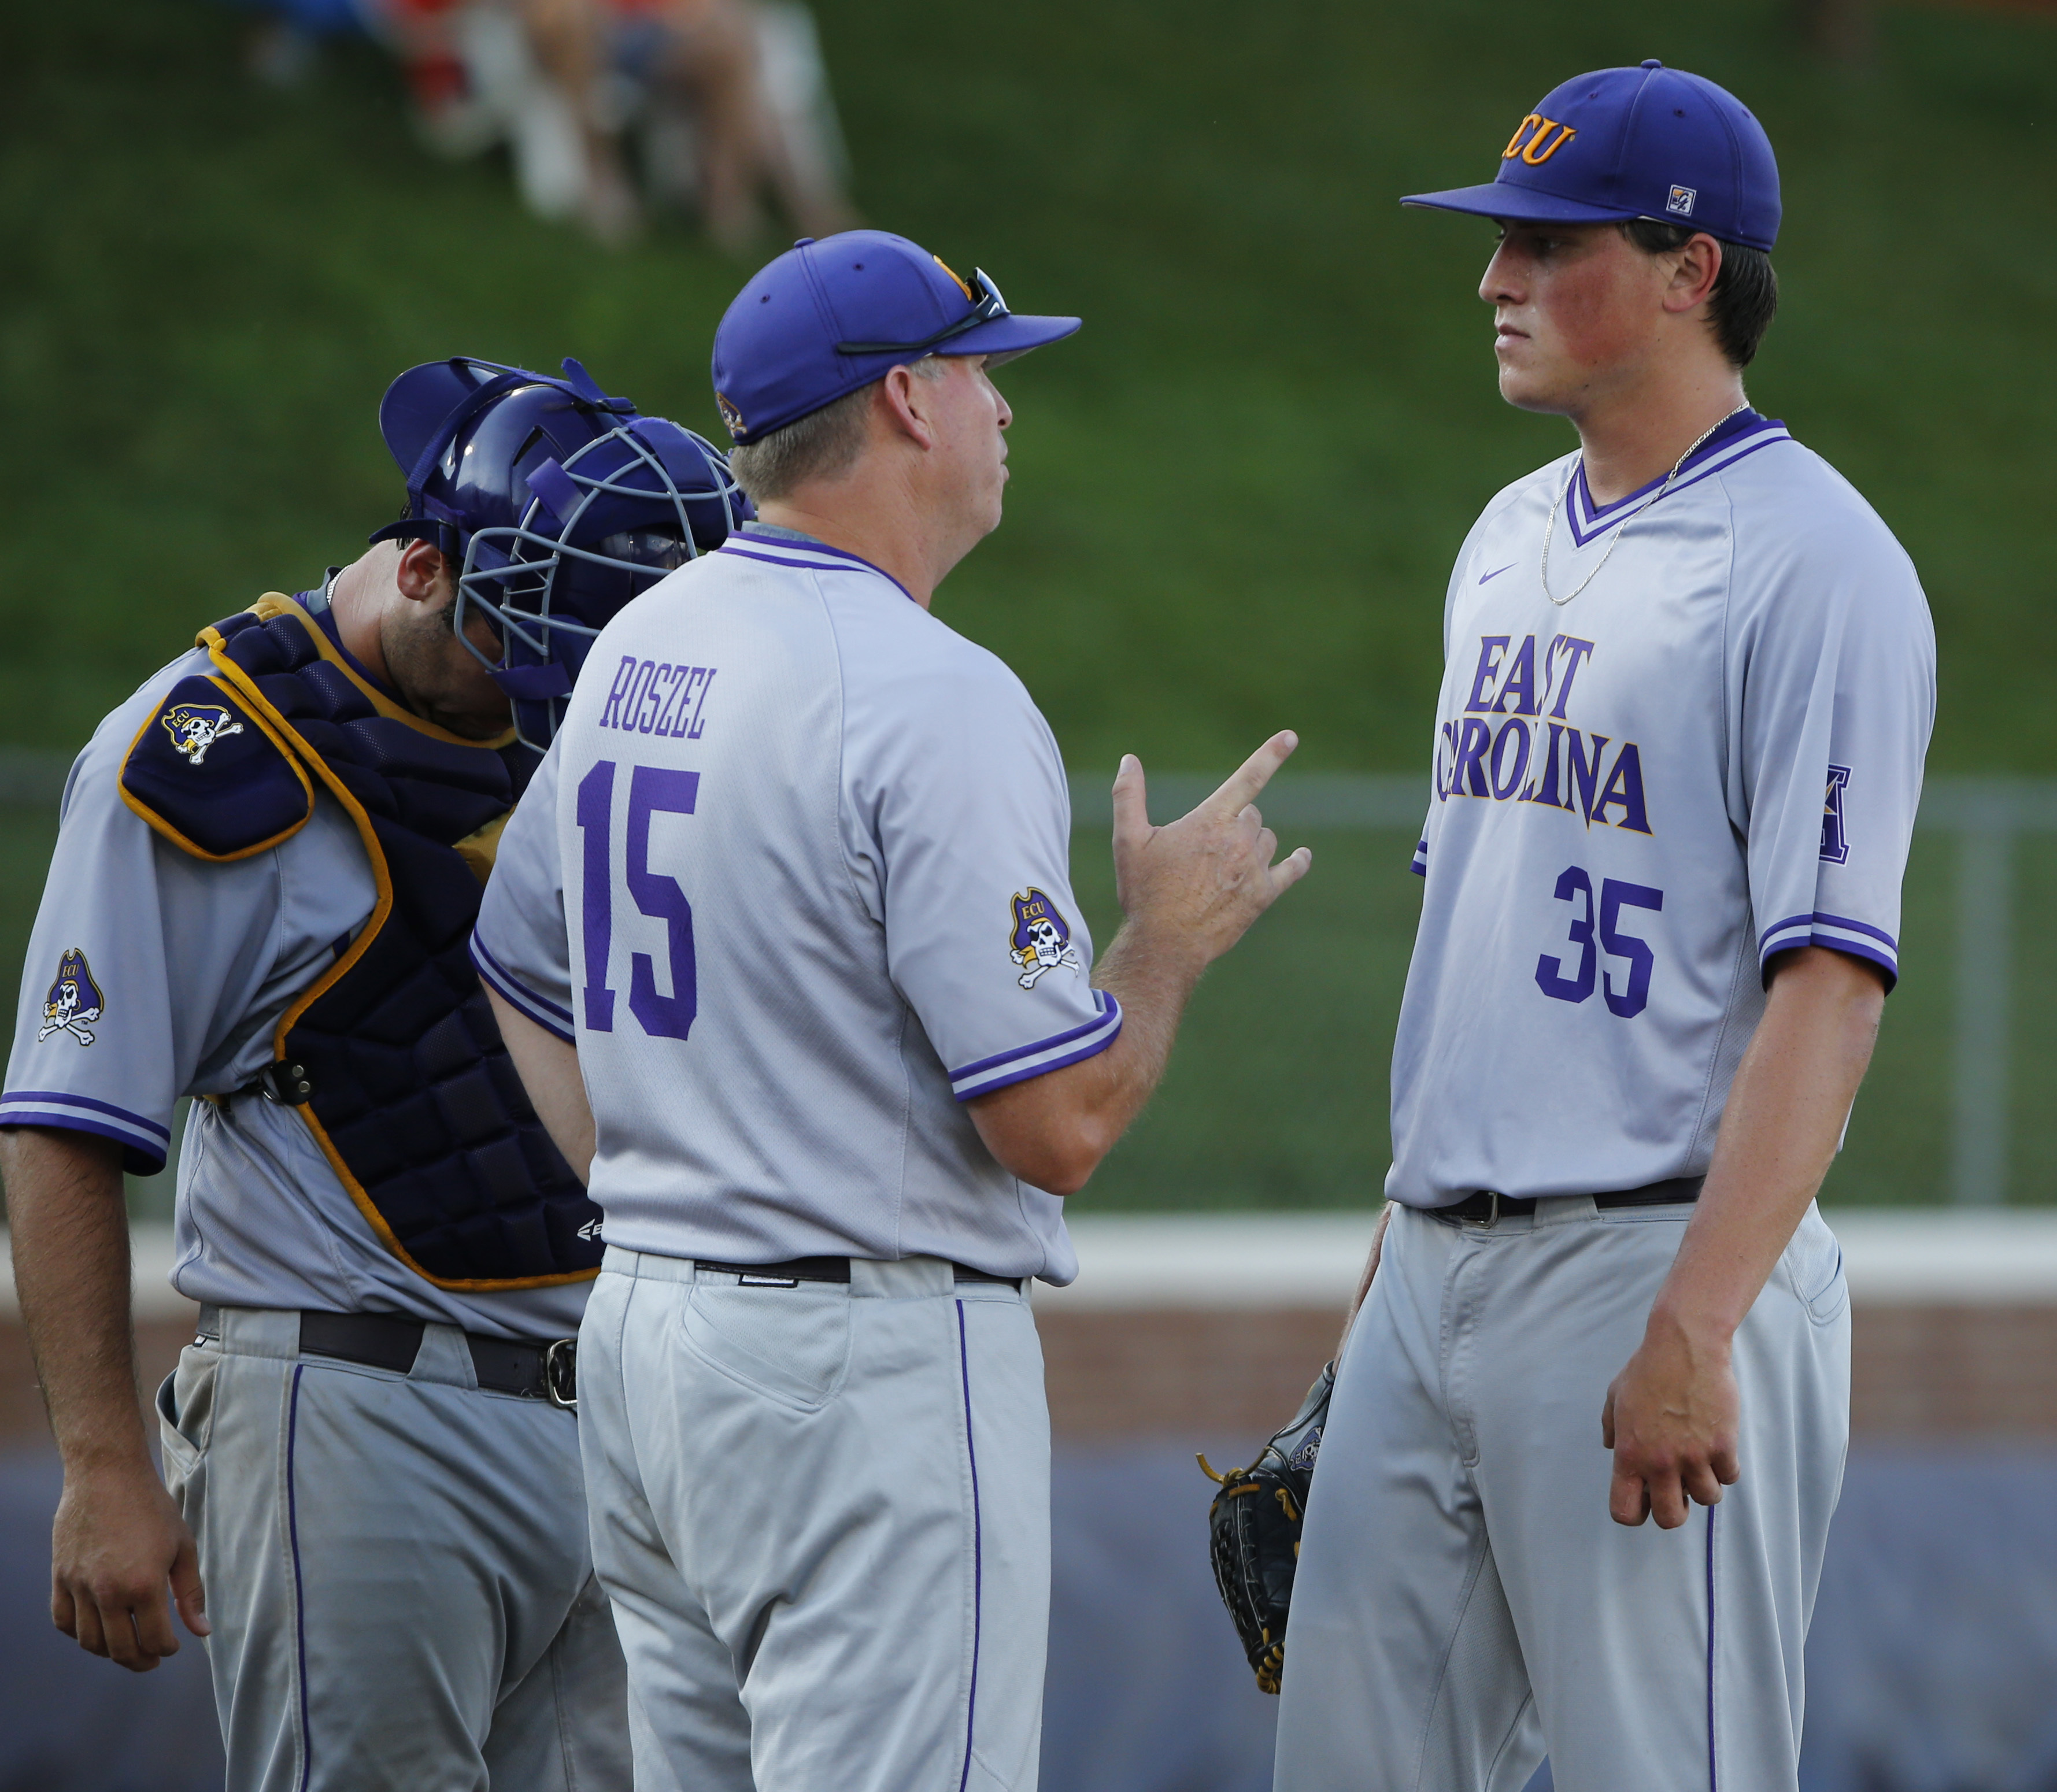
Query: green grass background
{"x":1236,"y":491}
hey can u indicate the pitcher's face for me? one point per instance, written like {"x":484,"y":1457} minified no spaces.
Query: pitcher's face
{"x":1576,"y":309}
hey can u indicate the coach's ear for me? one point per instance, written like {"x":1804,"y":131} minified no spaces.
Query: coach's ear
{"x":424,"y":575}
{"x":906,"y":401}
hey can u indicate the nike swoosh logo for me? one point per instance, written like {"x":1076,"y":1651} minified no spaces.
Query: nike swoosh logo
{"x":1496,"y":572}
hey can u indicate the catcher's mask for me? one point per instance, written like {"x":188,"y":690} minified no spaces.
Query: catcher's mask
{"x":558,"y":503}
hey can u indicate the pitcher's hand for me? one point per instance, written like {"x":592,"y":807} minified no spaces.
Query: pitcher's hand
{"x":118,"y":1546}
{"x":1203,"y":879}
{"x":1671,"y":1419}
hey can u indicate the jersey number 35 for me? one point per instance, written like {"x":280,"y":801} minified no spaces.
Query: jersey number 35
{"x":1575,"y":887}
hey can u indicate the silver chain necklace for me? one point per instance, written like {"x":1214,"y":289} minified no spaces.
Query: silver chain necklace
{"x":1550,"y":526}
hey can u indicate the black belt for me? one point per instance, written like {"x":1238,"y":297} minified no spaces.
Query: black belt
{"x":796,"y":1270}
{"x":1485,"y":1208}
{"x":543,"y":1371}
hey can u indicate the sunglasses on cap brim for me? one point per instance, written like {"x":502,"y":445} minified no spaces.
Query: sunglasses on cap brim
{"x":988,"y":306}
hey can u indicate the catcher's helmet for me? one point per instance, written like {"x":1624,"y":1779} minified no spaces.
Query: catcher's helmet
{"x":558,"y":503}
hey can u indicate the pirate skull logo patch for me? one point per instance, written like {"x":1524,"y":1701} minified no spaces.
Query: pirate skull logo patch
{"x":196,"y":727}
{"x":74,"y":1000}
{"x":1041,"y":940}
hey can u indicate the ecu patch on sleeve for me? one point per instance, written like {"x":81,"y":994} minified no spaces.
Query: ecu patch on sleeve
{"x":212,"y":777}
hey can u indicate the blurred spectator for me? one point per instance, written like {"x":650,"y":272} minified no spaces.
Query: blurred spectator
{"x":730,"y":100}
{"x":521,"y":73}
{"x":725,"y":101}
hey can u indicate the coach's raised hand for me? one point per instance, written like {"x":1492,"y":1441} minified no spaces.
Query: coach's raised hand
{"x":1199,"y":882}
{"x":1190,"y":890}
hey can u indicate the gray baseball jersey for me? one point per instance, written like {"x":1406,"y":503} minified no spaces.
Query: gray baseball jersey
{"x":795,"y":873}
{"x":153,"y":975}
{"x":1711,"y":754}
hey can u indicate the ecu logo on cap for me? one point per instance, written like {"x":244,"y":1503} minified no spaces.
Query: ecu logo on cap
{"x":1532,"y":142}
{"x":730,"y":415}
{"x":964,"y":286}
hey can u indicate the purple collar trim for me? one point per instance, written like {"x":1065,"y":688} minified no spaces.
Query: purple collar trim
{"x":810,"y":546}
{"x":1741,"y":435}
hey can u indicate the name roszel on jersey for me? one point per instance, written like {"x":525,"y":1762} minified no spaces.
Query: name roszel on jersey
{"x":653,"y":696}
{"x":1477,"y":757}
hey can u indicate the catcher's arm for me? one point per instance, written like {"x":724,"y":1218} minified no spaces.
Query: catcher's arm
{"x":1370,"y":1270}
{"x":122,"y":1559}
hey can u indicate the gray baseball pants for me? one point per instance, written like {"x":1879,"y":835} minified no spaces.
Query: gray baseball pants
{"x":1463,"y":1603}
{"x":397,"y":1572}
{"x":822,"y":1513}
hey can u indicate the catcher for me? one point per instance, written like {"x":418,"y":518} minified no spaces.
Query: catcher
{"x":266,"y":874}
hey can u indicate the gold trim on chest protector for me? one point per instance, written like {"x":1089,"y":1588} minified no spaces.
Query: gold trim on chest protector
{"x":381,"y":911}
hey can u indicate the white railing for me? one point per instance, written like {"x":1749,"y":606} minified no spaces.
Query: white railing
{"x":1222,"y":1262}
{"x":1986,"y":815}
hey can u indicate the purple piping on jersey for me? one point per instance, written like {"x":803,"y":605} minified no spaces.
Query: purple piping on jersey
{"x":164,"y":1132}
{"x":1851,"y":949}
{"x":1107,"y":1006}
{"x":729,"y":546}
{"x":1007,"y":1079}
{"x":482,"y":956}
{"x":518,"y":999}
{"x":1582,"y":535}
{"x":1714,"y":1767}
{"x":977,"y":1550}
{"x":1723,"y":440}
{"x":300,"y":1597}
{"x":1026,"y":1062}
{"x":1597,"y":520}
{"x":1841,"y":921}
{"x":144,"y":1157}
{"x":525,"y":1001}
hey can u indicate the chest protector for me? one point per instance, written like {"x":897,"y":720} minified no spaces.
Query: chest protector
{"x":391,"y":1055}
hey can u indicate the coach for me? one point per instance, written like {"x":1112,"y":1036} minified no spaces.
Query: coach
{"x":1689,"y":680}
{"x":792,"y":894}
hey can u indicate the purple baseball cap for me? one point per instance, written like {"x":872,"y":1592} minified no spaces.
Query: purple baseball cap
{"x":1651,"y":142}
{"x":828,"y":317}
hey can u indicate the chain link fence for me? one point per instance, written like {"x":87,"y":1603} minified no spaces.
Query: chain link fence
{"x":1277,"y":1096}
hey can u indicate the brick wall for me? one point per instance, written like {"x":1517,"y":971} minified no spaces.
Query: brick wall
{"x":1917,"y":1371}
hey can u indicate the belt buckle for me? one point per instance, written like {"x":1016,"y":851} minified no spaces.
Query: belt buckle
{"x":560,"y":1374}
{"x":1492,"y":1216}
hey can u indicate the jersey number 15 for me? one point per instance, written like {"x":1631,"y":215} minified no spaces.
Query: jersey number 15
{"x":651,"y":789}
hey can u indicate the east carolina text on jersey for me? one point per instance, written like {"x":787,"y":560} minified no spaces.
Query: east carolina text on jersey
{"x":1534,"y":755}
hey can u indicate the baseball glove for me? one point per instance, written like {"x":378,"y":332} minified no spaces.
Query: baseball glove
{"x":1255,"y":1527}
